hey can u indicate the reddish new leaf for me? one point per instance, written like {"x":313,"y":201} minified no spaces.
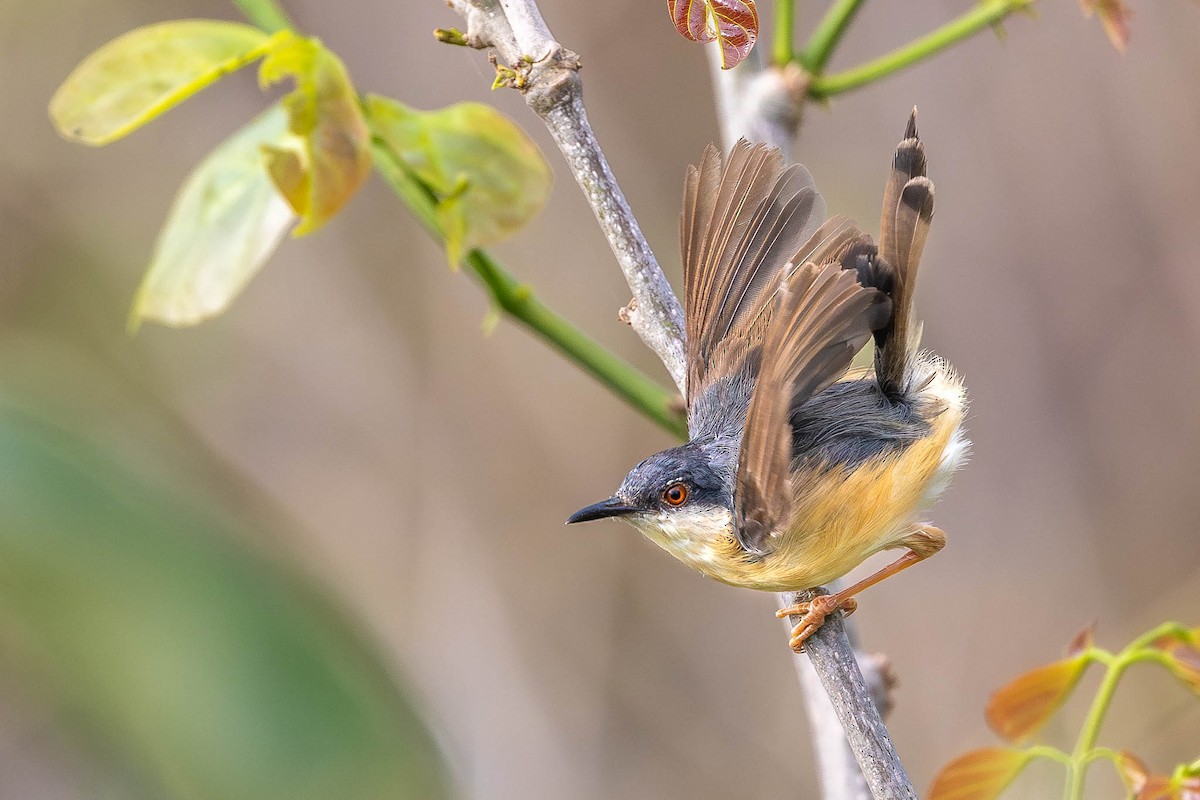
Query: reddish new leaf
{"x":1183,"y":660}
{"x":1084,"y":640}
{"x":1143,"y":785}
{"x":732,"y":23}
{"x":1017,"y":710}
{"x":978,"y":775}
{"x":1114,"y":16}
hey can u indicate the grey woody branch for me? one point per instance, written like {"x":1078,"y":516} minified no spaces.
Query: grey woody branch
{"x":547,"y":74}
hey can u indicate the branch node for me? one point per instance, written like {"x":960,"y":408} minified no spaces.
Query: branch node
{"x":625,"y":313}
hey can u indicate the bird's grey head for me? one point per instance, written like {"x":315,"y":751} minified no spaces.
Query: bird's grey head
{"x":685,"y":482}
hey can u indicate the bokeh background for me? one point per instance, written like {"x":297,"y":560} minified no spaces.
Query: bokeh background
{"x":348,"y":450}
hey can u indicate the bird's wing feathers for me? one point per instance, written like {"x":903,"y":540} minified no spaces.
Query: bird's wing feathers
{"x":764,"y":275}
{"x":821,"y":317}
{"x":742,"y":222}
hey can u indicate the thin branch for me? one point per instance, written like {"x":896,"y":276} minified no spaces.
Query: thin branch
{"x":982,"y":16}
{"x":838,"y":669}
{"x":758,"y":103}
{"x":547,"y":74}
{"x":828,"y":33}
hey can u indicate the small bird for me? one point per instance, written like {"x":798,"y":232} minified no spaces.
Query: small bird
{"x":799,"y":469}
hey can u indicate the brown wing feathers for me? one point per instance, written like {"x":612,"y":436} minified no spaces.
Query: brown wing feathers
{"x":822,"y":317}
{"x":741,"y":224}
{"x":759,"y":272}
{"x":904,"y":227}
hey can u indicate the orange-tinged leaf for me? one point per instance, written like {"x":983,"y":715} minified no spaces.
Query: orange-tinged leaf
{"x":1184,"y":662}
{"x":137,"y":76}
{"x":978,"y":775}
{"x":732,"y":23}
{"x":330,"y":158}
{"x":1144,"y":785}
{"x":1083,"y":641}
{"x":1188,"y":788}
{"x":1114,"y":17}
{"x":1133,"y":771}
{"x":1020,"y":708}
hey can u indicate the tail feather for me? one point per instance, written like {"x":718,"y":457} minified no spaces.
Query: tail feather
{"x":904,"y":227}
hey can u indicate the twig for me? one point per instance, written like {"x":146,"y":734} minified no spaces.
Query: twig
{"x":758,"y":104}
{"x":547,"y":74}
{"x":828,"y":33}
{"x":856,"y":703}
{"x":984,"y":15}
{"x":837,"y":668}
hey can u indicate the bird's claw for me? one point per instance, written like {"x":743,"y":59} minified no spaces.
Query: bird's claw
{"x":812,"y":615}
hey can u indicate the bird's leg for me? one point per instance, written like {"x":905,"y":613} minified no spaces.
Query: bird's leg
{"x":922,"y":542}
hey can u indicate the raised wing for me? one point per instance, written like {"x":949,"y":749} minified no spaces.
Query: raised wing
{"x":742,"y":222}
{"x":820,"y":317}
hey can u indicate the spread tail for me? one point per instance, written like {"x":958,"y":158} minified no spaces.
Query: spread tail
{"x":904,"y":227}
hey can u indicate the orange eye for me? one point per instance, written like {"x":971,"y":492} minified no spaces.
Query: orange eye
{"x":675,"y":495}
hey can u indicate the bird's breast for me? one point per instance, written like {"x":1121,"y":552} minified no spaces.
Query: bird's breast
{"x":700,"y":538}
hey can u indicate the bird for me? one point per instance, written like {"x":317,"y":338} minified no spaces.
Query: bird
{"x":798,"y":467}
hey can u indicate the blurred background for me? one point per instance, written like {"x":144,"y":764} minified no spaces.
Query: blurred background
{"x":220,"y":548}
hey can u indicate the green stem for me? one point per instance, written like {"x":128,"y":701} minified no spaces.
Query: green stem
{"x":1051,"y":753}
{"x":1091,"y":728}
{"x":966,"y":26}
{"x":265,"y":14}
{"x":620,"y":376}
{"x":829,"y":32}
{"x":518,"y":301}
{"x":1085,"y":746}
{"x":785,"y":24}
{"x":642,"y":392}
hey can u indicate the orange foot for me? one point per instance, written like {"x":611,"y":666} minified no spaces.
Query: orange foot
{"x":812,"y":615}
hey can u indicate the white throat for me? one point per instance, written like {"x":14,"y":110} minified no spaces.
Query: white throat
{"x":686,"y":534}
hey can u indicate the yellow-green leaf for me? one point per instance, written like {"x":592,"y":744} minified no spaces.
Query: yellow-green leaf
{"x":978,"y":775}
{"x":1017,"y":710}
{"x":137,"y":76}
{"x":226,"y":221}
{"x":489,"y":177}
{"x":322,"y":169}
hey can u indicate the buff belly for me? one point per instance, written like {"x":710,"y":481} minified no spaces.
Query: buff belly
{"x":841,"y":517}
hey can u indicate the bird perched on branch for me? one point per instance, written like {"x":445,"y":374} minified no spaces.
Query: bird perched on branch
{"x":798,"y":470}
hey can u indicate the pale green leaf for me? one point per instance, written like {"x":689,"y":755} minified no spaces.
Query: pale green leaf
{"x":330,"y":157}
{"x":489,"y":177}
{"x":226,"y":221}
{"x":137,"y":76}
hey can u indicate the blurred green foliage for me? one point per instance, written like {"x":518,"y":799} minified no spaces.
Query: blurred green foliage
{"x":200,"y":666}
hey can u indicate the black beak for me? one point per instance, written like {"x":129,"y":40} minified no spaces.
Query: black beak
{"x":612,"y":507}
